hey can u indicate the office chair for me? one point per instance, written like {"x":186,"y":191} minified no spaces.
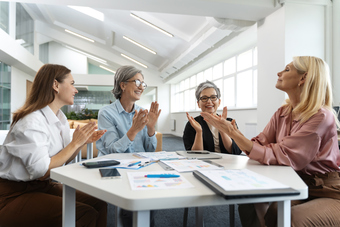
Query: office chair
{"x":231,"y":216}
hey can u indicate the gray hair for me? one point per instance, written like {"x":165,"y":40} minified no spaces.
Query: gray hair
{"x":123,"y":74}
{"x":205,"y":85}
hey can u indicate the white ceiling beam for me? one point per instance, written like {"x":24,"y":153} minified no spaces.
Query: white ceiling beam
{"x":46,"y":13}
{"x":252,"y":10}
{"x":173,"y":30}
{"x":112,"y":56}
{"x":64,"y":26}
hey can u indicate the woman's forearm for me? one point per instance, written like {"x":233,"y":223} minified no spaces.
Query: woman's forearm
{"x":74,"y":155}
{"x":62,"y":157}
{"x":198,"y":142}
{"x":227,"y":142}
{"x":151,"y":131}
{"x":242,"y":142}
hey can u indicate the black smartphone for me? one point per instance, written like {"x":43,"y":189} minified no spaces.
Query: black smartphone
{"x":100,"y":163}
{"x":109,"y":173}
{"x":198,"y":152}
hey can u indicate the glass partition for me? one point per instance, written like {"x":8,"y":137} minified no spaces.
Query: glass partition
{"x":5,"y":96}
{"x":90,"y":99}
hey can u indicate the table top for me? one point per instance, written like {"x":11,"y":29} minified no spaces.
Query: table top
{"x":119,"y":192}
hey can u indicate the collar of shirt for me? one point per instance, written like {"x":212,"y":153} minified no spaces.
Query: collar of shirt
{"x":286,"y":115}
{"x":120,"y":108}
{"x":51,"y":117}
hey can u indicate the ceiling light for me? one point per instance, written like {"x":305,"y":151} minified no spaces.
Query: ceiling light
{"x":135,"y":61}
{"x":110,"y":70}
{"x":151,"y":25}
{"x":89,"y":11}
{"x":87,"y":55}
{"x":138,"y":44}
{"x":76,"y":34}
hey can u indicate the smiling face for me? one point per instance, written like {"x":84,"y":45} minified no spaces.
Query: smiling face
{"x":209,"y":106}
{"x":130,"y":91}
{"x":66,"y":90}
{"x":289,"y":79}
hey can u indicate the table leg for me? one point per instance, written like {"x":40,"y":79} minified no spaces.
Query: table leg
{"x":283,"y":213}
{"x":199,"y":217}
{"x":89,"y":150}
{"x":232,"y":215}
{"x":117,"y":217}
{"x":79,"y":156}
{"x":69,"y":206}
{"x":141,"y":218}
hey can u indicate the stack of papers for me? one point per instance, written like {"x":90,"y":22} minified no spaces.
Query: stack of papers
{"x":242,"y":183}
{"x":162,"y":155}
{"x":190,"y":165}
{"x":241,"y":179}
{"x":139,"y":181}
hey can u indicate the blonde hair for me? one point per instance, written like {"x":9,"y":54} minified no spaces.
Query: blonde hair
{"x":317,"y":90}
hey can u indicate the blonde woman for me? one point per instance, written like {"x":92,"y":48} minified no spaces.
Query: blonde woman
{"x":301,"y":134}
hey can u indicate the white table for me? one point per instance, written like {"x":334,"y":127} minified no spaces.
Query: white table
{"x":119,"y":193}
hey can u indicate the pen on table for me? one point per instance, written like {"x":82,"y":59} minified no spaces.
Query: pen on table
{"x":161,"y":175}
{"x":135,"y":163}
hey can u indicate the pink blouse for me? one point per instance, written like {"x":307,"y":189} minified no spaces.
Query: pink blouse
{"x":311,"y":147}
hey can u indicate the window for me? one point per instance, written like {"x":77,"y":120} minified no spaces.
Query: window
{"x":24,"y":28}
{"x":5,"y":96}
{"x":4,"y":16}
{"x":236,"y":77}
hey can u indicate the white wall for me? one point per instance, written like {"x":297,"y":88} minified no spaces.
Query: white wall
{"x":18,"y":88}
{"x":61,"y":55}
{"x":304,"y":30}
{"x":336,"y":52}
{"x":163,"y":94}
{"x":271,"y":54}
{"x":145,"y":101}
{"x":293,"y":30}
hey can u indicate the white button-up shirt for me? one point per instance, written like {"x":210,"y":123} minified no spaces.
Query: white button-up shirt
{"x":30,"y":144}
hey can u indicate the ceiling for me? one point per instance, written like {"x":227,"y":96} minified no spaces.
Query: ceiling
{"x":197,"y":25}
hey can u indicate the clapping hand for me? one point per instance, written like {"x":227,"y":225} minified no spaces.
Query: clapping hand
{"x":96,"y":135}
{"x":82,"y":135}
{"x":140,"y":119}
{"x":153,"y":115}
{"x":194,"y":123}
{"x":220,"y":122}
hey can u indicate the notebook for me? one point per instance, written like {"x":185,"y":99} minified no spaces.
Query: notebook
{"x":209,"y":155}
{"x":242,"y":183}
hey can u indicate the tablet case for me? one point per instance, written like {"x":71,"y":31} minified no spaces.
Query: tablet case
{"x":244,"y":193}
{"x":211,"y":155}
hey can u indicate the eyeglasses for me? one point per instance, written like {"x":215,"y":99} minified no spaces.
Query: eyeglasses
{"x":138,"y":83}
{"x":206,"y":98}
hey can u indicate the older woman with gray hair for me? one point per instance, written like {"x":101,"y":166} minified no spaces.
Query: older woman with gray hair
{"x":129,"y":128}
{"x":200,"y":135}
